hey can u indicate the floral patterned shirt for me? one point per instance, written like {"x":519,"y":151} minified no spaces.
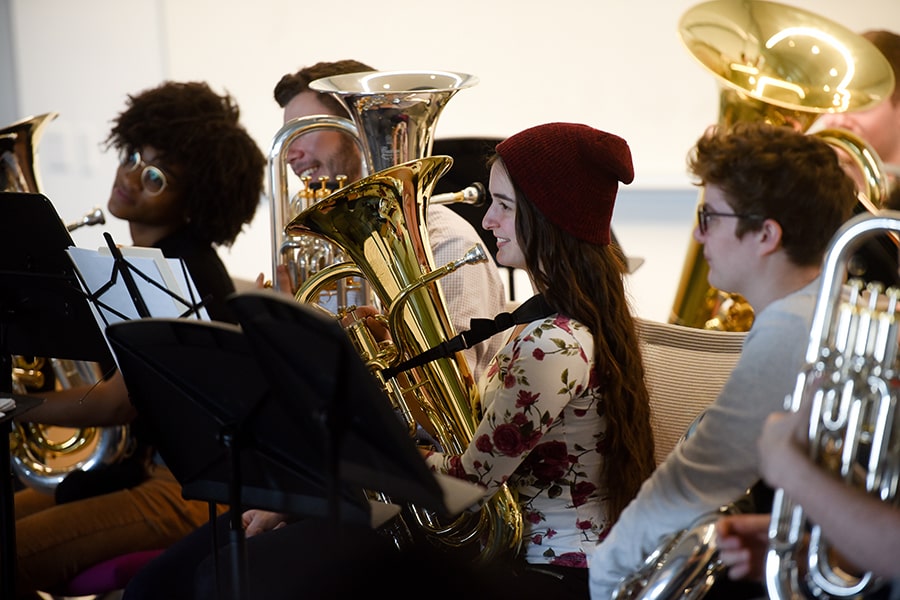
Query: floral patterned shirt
{"x":543,"y":433}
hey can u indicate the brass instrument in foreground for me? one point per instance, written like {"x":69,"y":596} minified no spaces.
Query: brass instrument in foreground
{"x":850,"y":386}
{"x":379,"y":223}
{"x":41,"y":455}
{"x":785,"y":66}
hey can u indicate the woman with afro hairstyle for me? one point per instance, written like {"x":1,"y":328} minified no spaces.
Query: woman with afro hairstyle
{"x":189,"y":178}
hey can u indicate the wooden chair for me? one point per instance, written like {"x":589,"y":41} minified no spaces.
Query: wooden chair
{"x":685,"y":368}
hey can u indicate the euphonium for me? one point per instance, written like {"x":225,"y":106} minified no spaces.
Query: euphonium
{"x":43,"y":455}
{"x":849,"y":385}
{"x":785,"y":66}
{"x":304,"y":255}
{"x":379,"y":223}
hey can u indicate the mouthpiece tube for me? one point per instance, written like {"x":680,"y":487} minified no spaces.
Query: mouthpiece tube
{"x":474,"y":194}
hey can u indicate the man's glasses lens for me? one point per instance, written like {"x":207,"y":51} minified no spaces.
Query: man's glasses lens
{"x":703,"y":215}
{"x":702,"y":219}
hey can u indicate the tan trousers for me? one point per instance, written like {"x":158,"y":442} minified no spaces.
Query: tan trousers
{"x":56,"y":542}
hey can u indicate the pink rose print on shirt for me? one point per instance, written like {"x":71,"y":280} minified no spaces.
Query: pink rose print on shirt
{"x":548,"y":462}
{"x":581,"y":492}
{"x":571,"y":559}
{"x":508,"y":439}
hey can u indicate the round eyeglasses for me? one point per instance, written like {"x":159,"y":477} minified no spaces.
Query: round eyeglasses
{"x":153,"y":179}
{"x":703,"y":215}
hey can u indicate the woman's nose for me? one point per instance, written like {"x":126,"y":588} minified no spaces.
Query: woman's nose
{"x":486,"y":222}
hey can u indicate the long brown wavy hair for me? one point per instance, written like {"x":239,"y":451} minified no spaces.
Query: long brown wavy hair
{"x":584,"y":281}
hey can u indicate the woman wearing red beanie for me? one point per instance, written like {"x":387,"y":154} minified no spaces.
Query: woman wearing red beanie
{"x":566,"y":414}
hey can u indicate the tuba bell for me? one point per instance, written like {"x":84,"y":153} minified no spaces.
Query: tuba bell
{"x":850,"y":386}
{"x":785,"y":66}
{"x":18,"y":153}
{"x":380,"y":224}
{"x":42,"y":455}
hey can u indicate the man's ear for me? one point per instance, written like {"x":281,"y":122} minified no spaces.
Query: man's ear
{"x":769,"y":236}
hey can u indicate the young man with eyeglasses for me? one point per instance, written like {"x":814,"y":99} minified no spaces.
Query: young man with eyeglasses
{"x":190,"y":177}
{"x":772,"y":200}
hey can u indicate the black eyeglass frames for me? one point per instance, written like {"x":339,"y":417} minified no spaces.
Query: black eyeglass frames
{"x":153,"y":178}
{"x":703,"y":215}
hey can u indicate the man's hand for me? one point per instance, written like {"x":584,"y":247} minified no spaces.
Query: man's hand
{"x":260,"y":521}
{"x":282,"y":277}
{"x":743,"y":541}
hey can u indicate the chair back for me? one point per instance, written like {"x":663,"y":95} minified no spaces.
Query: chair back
{"x":685,"y":369}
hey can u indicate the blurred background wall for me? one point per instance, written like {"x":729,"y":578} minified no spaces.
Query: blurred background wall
{"x":618,"y":65}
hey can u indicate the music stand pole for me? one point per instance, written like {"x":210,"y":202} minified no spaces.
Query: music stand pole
{"x":8,"y":555}
{"x":239,"y":583}
{"x":43,"y":312}
{"x":8,"y":524}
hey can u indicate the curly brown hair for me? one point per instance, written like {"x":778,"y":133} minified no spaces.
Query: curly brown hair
{"x":584,"y":281}
{"x":778,"y":173}
{"x":295,"y":83}
{"x":198,"y":132}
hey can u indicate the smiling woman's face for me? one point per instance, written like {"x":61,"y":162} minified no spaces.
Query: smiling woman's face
{"x":500,"y":218}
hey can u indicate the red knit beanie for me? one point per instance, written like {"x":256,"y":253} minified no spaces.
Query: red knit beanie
{"x":571,"y":173}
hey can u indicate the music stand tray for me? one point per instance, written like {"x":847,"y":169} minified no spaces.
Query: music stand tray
{"x":205,"y":402}
{"x":310,"y":358}
{"x":42,"y":308}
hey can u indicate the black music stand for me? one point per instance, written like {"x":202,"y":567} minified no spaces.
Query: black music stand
{"x":43,"y":312}
{"x":310,"y":358}
{"x":209,"y":411}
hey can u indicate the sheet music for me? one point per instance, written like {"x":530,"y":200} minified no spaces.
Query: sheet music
{"x":164,"y":285}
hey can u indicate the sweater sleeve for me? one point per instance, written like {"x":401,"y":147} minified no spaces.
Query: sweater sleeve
{"x":547,"y":368}
{"x":718,"y":463}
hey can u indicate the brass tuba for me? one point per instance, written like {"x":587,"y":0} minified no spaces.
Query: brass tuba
{"x":18,"y":153}
{"x":379,"y":223}
{"x":850,"y":386}
{"x":42,"y":455}
{"x":785,"y":66}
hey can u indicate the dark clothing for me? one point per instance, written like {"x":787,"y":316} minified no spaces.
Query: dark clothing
{"x":206,"y":269}
{"x":313,"y":559}
{"x":214,"y":285}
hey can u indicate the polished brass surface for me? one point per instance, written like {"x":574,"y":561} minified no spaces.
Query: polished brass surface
{"x":397,"y":111}
{"x":786,"y":66}
{"x":18,"y":153}
{"x":379,"y":222}
{"x":305,"y":255}
{"x":849,"y":384}
{"x":43,"y":455}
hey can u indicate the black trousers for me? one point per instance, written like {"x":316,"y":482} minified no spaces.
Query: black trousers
{"x":315,"y":559}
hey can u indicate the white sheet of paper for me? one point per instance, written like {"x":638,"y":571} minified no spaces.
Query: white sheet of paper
{"x":96,"y":268}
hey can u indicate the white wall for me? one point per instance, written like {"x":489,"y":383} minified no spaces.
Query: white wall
{"x":616,"y":64}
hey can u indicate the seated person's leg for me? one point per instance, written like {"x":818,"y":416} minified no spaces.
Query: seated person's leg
{"x":171,"y":574}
